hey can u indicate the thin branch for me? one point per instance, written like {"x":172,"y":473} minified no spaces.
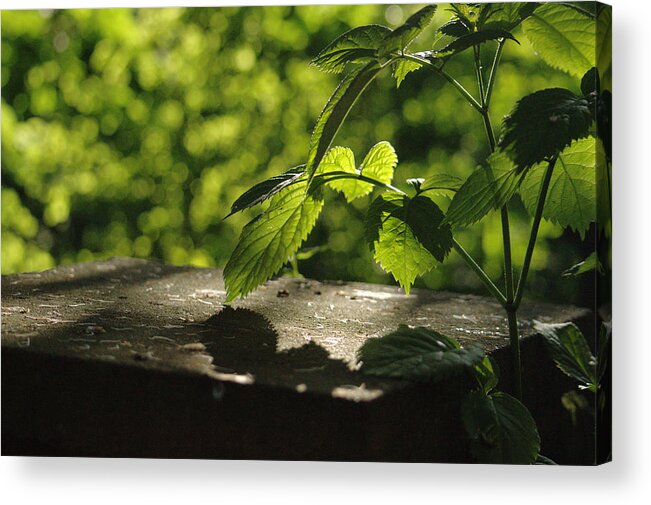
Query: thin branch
{"x":534,"y":232}
{"x":479,"y":271}
{"x":491,"y":77}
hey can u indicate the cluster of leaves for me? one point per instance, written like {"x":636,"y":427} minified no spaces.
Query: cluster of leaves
{"x":500,"y":428}
{"x":411,"y":234}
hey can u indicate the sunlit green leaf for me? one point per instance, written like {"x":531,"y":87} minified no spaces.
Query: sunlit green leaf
{"x":267,"y":242}
{"x":408,"y":235}
{"x":441,"y":184}
{"x":355,"y":46}
{"x":501,"y":429}
{"x":335,"y":111}
{"x":544,"y":123}
{"x":487,"y":374}
{"x":572,"y":190}
{"x":378,"y":164}
{"x":405,"y":34}
{"x":604,"y":41}
{"x":418,"y":354}
{"x":570,"y":351}
{"x":488,"y":188}
{"x":563,"y":37}
{"x":266,"y":189}
{"x":506,"y":16}
{"x":402,"y":68}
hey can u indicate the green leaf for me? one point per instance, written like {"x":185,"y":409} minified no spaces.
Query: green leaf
{"x":589,"y":264}
{"x":605,"y":332}
{"x":563,"y":37}
{"x":570,"y":351}
{"x":408,"y":235}
{"x":417,"y":354}
{"x":543,"y":460}
{"x":402,"y":68}
{"x":265,"y":189}
{"x":544,"y":123}
{"x":572,"y":189}
{"x":401,"y":37}
{"x":355,"y":46}
{"x":604,"y":41}
{"x":379,"y":164}
{"x":469,"y":40}
{"x":488,"y":188}
{"x":267,"y":242}
{"x":506,"y":16}
{"x":335,"y":111}
{"x":441,"y":184}
{"x":590,"y":82}
{"x":487,"y":374}
{"x":501,"y":429}
{"x":454,"y":28}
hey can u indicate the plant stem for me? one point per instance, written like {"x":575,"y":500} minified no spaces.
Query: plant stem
{"x":514,"y":341}
{"x":506,"y":228}
{"x":534,"y":232}
{"x":495,"y":291}
{"x":491,"y":77}
{"x":471,"y":99}
{"x":511,"y":310}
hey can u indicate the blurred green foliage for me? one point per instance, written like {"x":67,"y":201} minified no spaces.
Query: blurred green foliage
{"x":131,"y":131}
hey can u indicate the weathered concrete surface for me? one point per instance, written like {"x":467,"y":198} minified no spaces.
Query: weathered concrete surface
{"x":133,"y":358}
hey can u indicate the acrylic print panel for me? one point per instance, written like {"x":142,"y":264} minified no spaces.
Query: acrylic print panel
{"x":349,"y":233}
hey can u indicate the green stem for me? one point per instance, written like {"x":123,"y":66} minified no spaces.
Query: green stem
{"x":458,"y":86}
{"x":506,"y":228}
{"x":511,"y":311}
{"x":334,"y":176}
{"x":514,"y":341}
{"x":491,"y":77}
{"x":471,"y":99}
{"x":495,"y":291}
{"x":534,"y":232}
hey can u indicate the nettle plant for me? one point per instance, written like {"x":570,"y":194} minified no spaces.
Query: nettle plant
{"x":549,"y":154}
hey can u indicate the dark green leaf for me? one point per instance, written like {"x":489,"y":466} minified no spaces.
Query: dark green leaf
{"x":570,"y":351}
{"x":335,"y":111}
{"x":408,"y":235}
{"x":469,"y":40}
{"x":404,"y":35}
{"x":418,"y":354}
{"x":454,"y":28}
{"x":571,"y":195}
{"x":488,"y":188}
{"x":603,"y":348}
{"x":355,"y":46}
{"x":563,"y":37}
{"x":265,"y":189}
{"x":267,"y":242}
{"x":590,"y":82}
{"x":501,"y":429}
{"x":543,"y":124}
{"x":402,"y":68}
{"x":543,"y":460}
